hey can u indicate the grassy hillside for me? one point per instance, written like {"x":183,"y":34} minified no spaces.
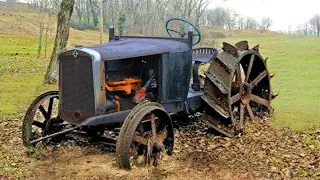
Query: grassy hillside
{"x":21,"y":73}
{"x":294,"y":60}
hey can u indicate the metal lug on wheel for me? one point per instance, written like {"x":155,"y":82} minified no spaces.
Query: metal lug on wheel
{"x":273,"y":96}
{"x":242,"y":45}
{"x":230,"y":49}
{"x":272,"y":75}
{"x":256,"y":48}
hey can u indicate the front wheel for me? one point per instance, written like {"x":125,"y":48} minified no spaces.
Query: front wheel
{"x":41,"y":118}
{"x":145,"y":135}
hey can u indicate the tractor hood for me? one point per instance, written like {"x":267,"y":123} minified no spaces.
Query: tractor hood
{"x":136,"y":47}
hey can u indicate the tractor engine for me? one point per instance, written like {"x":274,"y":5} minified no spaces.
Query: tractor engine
{"x":130,"y":81}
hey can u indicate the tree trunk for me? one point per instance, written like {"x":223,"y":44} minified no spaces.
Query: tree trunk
{"x":60,"y":43}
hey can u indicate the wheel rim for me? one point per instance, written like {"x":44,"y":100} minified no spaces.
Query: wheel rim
{"x":40,"y":117}
{"x":254,"y":88}
{"x":146,"y":133}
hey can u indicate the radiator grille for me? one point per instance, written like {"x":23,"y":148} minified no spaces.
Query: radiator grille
{"x":77,"y":84}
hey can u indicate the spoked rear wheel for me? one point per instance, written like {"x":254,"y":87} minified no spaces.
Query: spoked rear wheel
{"x":145,"y":135}
{"x":41,"y":118}
{"x":237,"y":85}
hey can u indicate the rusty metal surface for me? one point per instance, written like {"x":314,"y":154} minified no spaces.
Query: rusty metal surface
{"x":237,"y":85}
{"x":218,"y":126}
{"x":136,"y":47}
{"x":157,"y":135}
{"x":242,"y":45}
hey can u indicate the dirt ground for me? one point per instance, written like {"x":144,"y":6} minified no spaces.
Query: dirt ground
{"x":260,"y":153}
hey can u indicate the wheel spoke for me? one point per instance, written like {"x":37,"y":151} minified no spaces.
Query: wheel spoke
{"x":238,"y":76}
{"x":153,"y":126}
{"x":140,"y":128}
{"x":50,"y":106}
{"x":173,"y":30}
{"x":140,"y":140}
{"x":44,"y":112}
{"x":258,"y":78}
{"x":162,"y":135}
{"x":250,"y":112}
{"x":250,"y":67}
{"x":259,"y":100}
{"x":38,"y":124}
{"x":235,"y":98}
{"x":241,"y":114}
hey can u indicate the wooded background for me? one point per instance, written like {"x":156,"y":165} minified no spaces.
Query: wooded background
{"x":148,"y":17}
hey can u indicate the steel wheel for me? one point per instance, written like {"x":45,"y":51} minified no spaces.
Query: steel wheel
{"x":146,"y":133}
{"x":254,"y":89}
{"x":41,"y":117}
{"x":237,"y":84}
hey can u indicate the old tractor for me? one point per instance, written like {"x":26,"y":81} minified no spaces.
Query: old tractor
{"x":140,"y":83}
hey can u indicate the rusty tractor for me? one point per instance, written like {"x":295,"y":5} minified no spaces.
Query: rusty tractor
{"x":140,"y":83}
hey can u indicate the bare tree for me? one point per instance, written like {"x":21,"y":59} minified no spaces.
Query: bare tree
{"x":241,"y":23}
{"x":304,"y":28}
{"x":201,"y":6}
{"x":251,"y":24}
{"x":11,"y":4}
{"x":62,"y":36}
{"x":231,"y":19}
{"x":315,"y":23}
{"x":94,"y":10}
{"x":217,"y":17}
{"x":266,"y":22}
{"x":147,"y":17}
{"x":79,"y":7}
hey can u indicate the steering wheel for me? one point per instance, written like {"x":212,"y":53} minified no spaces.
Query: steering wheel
{"x":182,"y":34}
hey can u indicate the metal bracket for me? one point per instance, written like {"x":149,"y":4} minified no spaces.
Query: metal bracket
{"x":196,"y":81}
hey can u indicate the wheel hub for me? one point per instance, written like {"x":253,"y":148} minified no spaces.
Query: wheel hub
{"x":154,"y":151}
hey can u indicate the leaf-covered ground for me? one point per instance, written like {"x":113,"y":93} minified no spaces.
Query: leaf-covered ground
{"x":260,"y":153}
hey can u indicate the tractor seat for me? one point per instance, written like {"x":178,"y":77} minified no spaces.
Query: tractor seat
{"x":204,"y":54}
{"x":201,"y":55}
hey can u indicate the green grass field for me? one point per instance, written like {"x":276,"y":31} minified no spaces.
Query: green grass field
{"x":294,"y":59}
